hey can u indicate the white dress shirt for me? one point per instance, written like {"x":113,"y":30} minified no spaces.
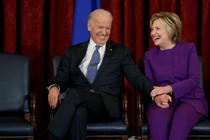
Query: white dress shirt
{"x":86,"y":60}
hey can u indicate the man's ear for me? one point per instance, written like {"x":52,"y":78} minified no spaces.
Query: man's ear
{"x":89,"y":27}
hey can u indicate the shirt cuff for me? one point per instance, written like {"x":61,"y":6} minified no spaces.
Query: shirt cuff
{"x":153,"y":98}
{"x":53,"y":85}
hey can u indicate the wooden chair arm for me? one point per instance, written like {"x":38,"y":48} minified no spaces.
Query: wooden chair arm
{"x":125,"y":107}
{"x":140,"y":111}
{"x":33,"y":107}
{"x":30,"y":115}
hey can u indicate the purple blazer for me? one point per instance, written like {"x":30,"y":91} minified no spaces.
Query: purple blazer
{"x":180,"y":68}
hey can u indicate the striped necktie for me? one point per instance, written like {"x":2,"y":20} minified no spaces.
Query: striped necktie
{"x":92,"y":67}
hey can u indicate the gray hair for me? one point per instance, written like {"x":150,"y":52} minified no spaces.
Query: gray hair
{"x":98,"y":12}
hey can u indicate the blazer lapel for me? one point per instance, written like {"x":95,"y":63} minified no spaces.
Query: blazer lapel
{"x":108,"y":53}
{"x":81,"y":54}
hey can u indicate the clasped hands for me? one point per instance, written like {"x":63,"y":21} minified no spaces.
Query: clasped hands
{"x":161,"y":97}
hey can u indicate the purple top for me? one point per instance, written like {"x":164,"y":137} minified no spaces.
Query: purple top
{"x":180,"y":68}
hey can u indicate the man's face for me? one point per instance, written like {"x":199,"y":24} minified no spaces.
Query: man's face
{"x":100,"y":29}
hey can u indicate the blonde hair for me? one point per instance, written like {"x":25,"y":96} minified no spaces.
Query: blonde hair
{"x":98,"y":12}
{"x":171,"y":22}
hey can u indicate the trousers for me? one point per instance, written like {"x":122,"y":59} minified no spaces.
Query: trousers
{"x":75,"y":111}
{"x":173,"y":123}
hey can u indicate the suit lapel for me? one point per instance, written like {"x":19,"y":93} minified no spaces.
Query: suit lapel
{"x":107,"y":55}
{"x":81,"y":54}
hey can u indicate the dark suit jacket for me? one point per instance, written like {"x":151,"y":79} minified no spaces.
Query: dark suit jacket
{"x":117,"y":64}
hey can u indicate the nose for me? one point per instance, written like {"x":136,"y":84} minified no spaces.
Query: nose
{"x":152,"y":32}
{"x":104,"y":31}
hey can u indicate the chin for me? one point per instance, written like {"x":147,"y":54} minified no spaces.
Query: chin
{"x":157,"y":43}
{"x":102,"y":42}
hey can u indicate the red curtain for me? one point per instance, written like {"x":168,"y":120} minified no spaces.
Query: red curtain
{"x":131,"y":27}
{"x":42,"y":29}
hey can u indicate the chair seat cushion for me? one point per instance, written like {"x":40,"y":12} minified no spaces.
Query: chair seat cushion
{"x":109,"y":127}
{"x":202,"y":128}
{"x":144,"y":129}
{"x":15,"y":126}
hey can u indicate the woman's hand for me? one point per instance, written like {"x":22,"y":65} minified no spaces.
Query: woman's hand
{"x":160,"y":90}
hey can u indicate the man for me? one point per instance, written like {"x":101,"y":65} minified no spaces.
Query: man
{"x":98,"y":99}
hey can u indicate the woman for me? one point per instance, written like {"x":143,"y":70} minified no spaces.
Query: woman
{"x":174,"y":66}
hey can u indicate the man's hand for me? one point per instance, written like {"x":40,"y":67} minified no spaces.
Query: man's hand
{"x":162,"y":100}
{"x":54,"y":97}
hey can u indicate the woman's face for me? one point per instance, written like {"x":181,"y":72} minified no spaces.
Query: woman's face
{"x":159,"y":34}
